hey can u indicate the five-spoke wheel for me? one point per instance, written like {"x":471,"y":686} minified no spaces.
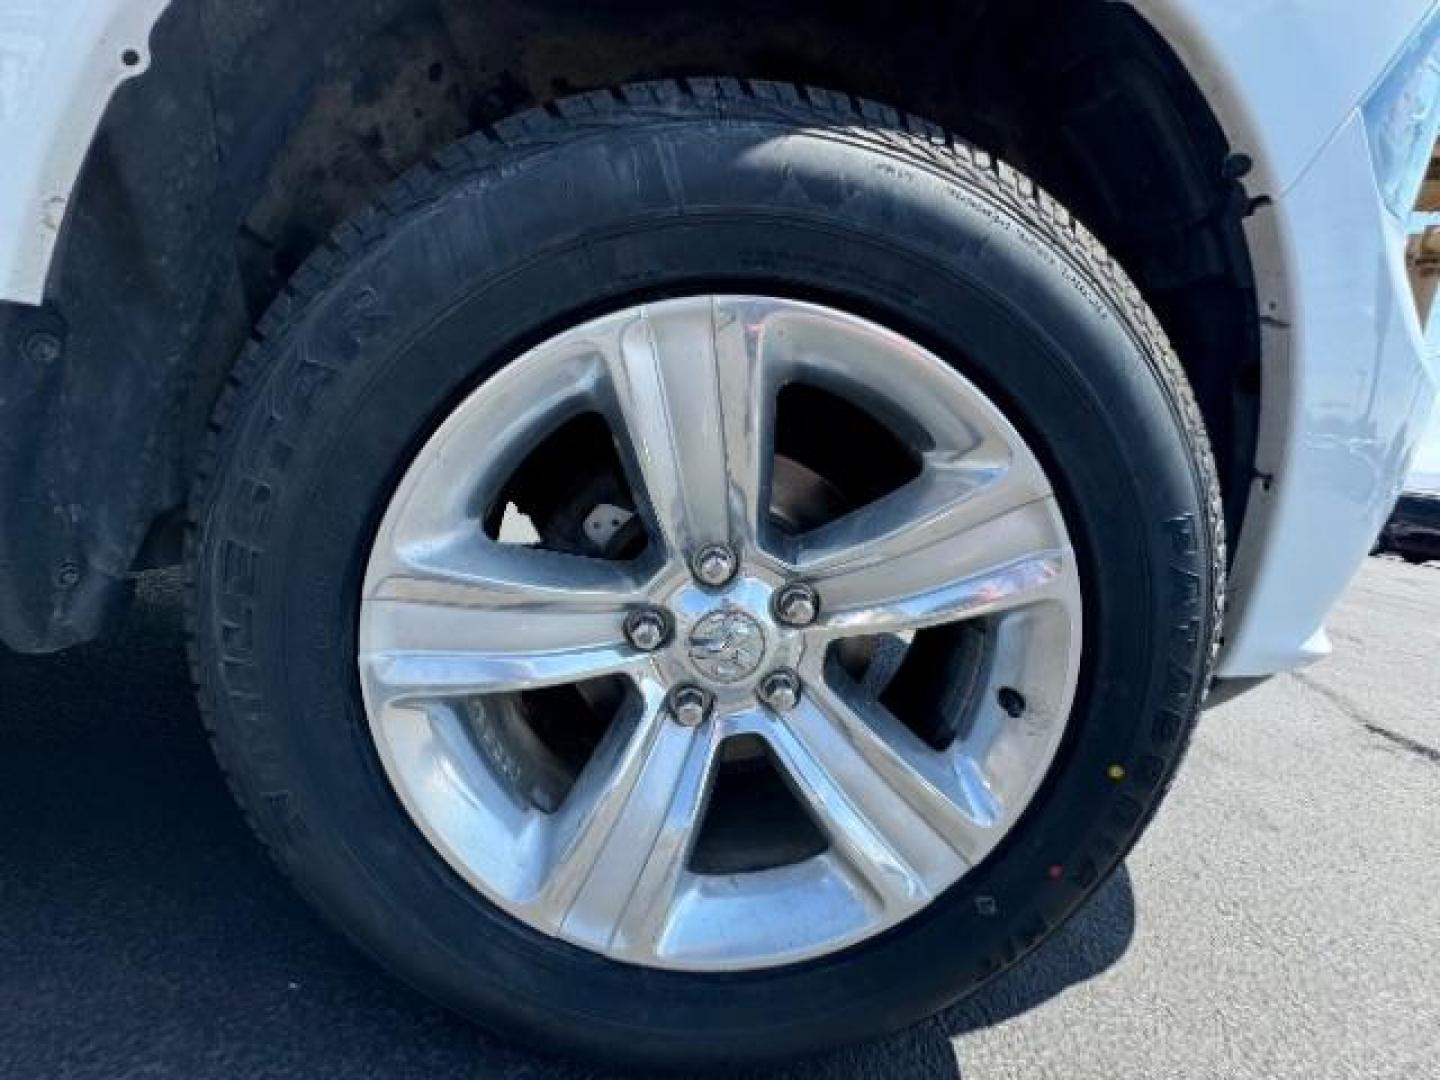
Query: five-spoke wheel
{"x":727,"y":630}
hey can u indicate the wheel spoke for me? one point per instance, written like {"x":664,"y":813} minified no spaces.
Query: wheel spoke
{"x":747,"y":405}
{"x":949,"y":792}
{"x":626,"y":831}
{"x":689,"y":395}
{"x":474,"y":617}
{"x":896,"y":812}
{"x":962,"y":539}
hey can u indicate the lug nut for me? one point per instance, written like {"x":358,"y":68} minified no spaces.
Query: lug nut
{"x":715,"y":564}
{"x":781,"y":690}
{"x":646,"y":629}
{"x":796,"y":604}
{"x":689,"y":705}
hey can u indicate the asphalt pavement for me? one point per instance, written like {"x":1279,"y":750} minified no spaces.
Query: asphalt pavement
{"x":1280,"y":919}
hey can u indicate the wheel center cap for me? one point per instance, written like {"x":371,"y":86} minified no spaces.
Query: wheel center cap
{"x":726,"y":646}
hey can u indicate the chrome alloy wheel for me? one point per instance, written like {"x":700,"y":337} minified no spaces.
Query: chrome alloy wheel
{"x":777,"y":640}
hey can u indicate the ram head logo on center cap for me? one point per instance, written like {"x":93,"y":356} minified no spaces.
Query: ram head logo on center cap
{"x":727,"y":645}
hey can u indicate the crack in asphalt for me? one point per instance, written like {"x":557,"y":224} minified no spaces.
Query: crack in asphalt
{"x":1429,"y":753}
{"x":1345,"y":705}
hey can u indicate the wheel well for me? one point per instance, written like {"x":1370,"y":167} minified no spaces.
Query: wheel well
{"x":262,"y":125}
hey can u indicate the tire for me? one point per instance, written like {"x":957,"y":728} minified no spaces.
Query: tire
{"x":641,"y":193}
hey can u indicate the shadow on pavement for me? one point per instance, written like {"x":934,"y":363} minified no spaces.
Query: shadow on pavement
{"x":143,"y":932}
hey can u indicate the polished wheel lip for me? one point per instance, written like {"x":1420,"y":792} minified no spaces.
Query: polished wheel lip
{"x":450,"y":617}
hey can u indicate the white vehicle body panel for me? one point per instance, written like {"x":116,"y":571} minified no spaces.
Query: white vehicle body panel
{"x":1282,"y":75}
{"x":60,"y":60}
{"x":1346,"y":386}
{"x":1357,"y":392}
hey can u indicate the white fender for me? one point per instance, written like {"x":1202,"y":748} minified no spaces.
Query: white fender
{"x":60,"y":60}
